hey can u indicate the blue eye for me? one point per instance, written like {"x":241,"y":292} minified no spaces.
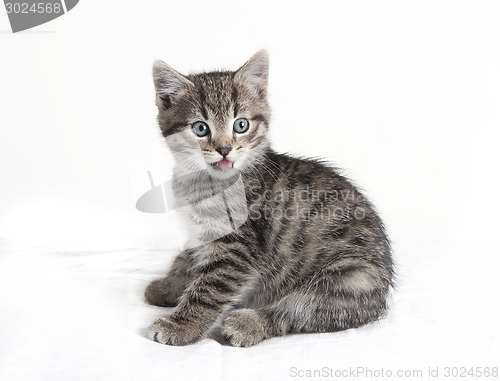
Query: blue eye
{"x":241,"y":125}
{"x":200,"y":129}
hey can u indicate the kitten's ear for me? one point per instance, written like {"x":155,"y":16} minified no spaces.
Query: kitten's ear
{"x":255,"y":72}
{"x":168,"y":84}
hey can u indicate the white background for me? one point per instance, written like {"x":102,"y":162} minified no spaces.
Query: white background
{"x":403,"y":95}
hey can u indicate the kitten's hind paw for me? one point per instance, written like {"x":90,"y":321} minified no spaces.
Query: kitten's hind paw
{"x":244,"y":328}
{"x":160,"y":293}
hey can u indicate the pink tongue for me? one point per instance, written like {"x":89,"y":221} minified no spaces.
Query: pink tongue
{"x":225,"y":164}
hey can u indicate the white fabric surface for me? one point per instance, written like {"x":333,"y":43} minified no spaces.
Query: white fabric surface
{"x":77,"y":313}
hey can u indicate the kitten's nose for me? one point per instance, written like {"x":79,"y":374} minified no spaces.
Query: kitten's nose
{"x":224,"y":150}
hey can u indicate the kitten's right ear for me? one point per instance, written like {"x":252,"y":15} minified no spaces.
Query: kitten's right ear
{"x":169,"y":84}
{"x":255,"y":72}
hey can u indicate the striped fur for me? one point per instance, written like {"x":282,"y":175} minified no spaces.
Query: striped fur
{"x":310,"y":255}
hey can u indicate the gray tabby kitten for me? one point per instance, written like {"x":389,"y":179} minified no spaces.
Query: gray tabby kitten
{"x":310,"y":254}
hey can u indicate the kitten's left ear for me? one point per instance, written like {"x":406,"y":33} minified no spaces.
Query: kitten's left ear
{"x":255,"y":72}
{"x":169,"y":84}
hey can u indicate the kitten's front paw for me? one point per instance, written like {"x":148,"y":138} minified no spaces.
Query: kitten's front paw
{"x":244,"y":328}
{"x":168,"y":331}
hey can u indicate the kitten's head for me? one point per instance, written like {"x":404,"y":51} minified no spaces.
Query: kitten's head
{"x":214,"y":121}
